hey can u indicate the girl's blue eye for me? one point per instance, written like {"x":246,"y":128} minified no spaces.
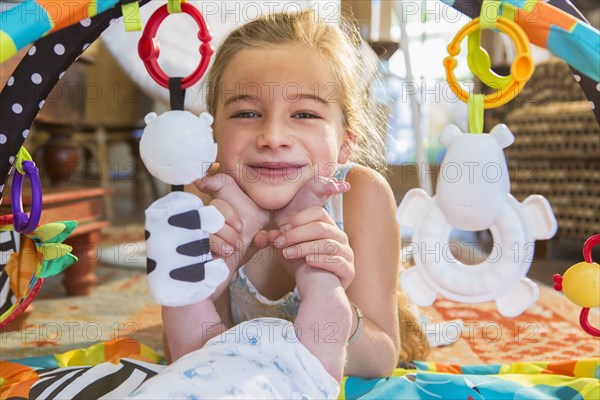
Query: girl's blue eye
{"x":303,"y":115}
{"x":245,"y":114}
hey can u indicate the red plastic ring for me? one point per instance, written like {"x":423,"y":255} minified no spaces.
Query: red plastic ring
{"x":588,"y":246}
{"x":149,"y":48}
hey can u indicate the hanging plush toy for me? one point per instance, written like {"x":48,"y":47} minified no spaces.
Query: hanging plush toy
{"x":473,"y":194}
{"x":177,"y":147}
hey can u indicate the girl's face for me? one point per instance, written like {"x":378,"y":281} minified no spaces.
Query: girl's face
{"x":279,"y":122}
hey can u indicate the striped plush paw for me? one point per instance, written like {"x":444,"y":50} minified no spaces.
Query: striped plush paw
{"x":181,"y":269}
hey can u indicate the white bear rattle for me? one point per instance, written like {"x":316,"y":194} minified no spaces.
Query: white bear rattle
{"x":177,"y":147}
{"x":473,"y":194}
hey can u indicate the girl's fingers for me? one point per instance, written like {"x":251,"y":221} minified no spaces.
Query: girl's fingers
{"x":264,"y":238}
{"x":339,"y":266}
{"x":325,"y":249}
{"x":229,"y":235}
{"x":232,"y":218}
{"x":329,"y":187}
{"x":309,"y":214}
{"x":261,"y":240}
{"x":273,"y":234}
{"x":313,"y":193}
{"x":224,"y":188}
{"x":220,"y":247}
{"x":311,"y":232}
{"x":213,"y":185}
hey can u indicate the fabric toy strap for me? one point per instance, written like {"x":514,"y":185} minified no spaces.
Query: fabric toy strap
{"x":177,"y":99}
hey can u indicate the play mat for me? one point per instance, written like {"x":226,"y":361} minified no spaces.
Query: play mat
{"x":114,"y":369}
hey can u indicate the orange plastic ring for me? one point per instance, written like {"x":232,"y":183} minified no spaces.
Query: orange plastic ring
{"x":521,"y":68}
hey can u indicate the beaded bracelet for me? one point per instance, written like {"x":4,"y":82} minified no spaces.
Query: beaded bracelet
{"x":358,"y":326}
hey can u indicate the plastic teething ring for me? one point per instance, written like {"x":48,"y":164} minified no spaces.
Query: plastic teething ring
{"x":21,"y":221}
{"x":149,"y":48}
{"x":521,"y":69}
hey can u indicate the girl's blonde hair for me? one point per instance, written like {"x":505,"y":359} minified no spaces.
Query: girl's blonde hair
{"x":339,"y":46}
{"x":413,"y":341}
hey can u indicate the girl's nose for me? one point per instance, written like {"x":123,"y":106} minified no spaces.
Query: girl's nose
{"x":274,"y":135}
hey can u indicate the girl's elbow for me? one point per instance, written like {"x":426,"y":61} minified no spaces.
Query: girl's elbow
{"x":383,"y":368}
{"x":383,"y":365}
{"x":390,"y":363}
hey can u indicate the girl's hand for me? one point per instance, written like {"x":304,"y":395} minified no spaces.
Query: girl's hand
{"x":312,"y":236}
{"x":243,"y":219}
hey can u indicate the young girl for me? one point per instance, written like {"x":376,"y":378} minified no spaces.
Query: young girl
{"x":288,"y":95}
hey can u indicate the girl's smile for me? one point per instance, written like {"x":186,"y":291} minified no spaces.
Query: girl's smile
{"x":276,"y":170}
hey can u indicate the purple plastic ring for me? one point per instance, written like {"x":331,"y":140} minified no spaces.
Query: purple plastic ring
{"x":22,"y":222}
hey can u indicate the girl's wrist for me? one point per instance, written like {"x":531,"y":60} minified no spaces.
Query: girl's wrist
{"x":314,"y":281}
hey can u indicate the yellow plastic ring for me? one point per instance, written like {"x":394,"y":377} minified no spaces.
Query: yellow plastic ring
{"x":521,"y":68}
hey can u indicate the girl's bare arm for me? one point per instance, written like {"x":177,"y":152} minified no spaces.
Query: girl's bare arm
{"x":374,"y":235}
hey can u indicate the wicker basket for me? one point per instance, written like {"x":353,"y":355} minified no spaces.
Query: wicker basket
{"x":551,"y":82}
{"x":554,"y":131}
{"x":571,"y":186}
{"x":557,"y":154}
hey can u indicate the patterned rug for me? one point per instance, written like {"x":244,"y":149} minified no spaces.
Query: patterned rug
{"x":549,"y":330}
{"x":121,"y":307}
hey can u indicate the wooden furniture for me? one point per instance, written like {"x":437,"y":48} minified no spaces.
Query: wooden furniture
{"x":86,"y":206}
{"x":63,"y":166}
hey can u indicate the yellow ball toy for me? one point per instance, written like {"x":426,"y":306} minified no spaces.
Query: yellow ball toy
{"x":581,"y":284}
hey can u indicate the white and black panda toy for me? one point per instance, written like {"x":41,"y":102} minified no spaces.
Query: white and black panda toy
{"x":177,"y":147}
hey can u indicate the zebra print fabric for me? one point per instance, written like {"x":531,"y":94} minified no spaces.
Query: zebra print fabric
{"x":102,"y":381}
{"x":9,"y":244}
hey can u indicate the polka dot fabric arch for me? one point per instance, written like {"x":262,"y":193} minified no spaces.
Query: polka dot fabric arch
{"x":36,"y":75}
{"x":20,"y":101}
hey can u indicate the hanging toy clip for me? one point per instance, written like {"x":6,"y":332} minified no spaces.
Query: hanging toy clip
{"x":149,"y":48}
{"x":132,"y":19}
{"x":478,"y":58}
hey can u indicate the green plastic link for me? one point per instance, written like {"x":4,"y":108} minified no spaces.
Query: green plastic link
{"x":490,"y":12}
{"x":475,"y":113}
